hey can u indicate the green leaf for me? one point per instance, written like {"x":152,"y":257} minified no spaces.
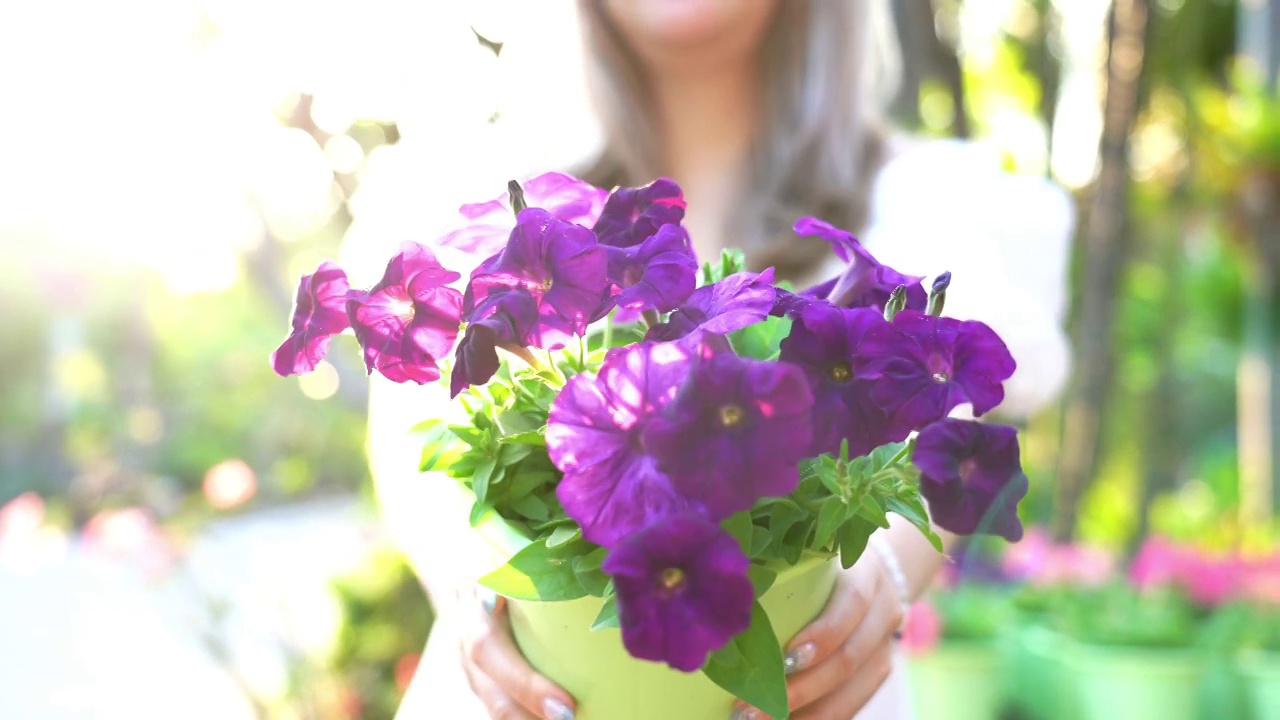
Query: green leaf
{"x":731,"y":261}
{"x":539,"y":573}
{"x":513,"y":453}
{"x":783,"y":515}
{"x":532,"y":437}
{"x":608,"y":616}
{"x":478,"y":510}
{"x":480,"y":480}
{"x":531,"y":507}
{"x":760,"y":539}
{"x":912,"y":508}
{"x":830,"y":516}
{"x":739,"y":526}
{"x":750,"y":667}
{"x":761,"y":578}
{"x":854,"y":534}
{"x":871,"y":510}
{"x":587,"y":570}
{"x":761,"y":340}
{"x":468,"y":434}
{"x":563,"y":534}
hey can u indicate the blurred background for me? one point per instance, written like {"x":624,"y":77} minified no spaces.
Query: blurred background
{"x":181,"y":528}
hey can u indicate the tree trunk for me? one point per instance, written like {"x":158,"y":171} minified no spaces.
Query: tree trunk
{"x":925,"y":55}
{"x":1105,"y":254}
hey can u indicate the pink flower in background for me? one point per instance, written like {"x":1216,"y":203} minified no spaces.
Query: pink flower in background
{"x":486,"y":226}
{"x":27,"y":542}
{"x":1209,"y":580}
{"x":406,"y":666}
{"x":230,"y":483}
{"x":922,"y":628}
{"x":1260,"y":579}
{"x":129,"y":536}
{"x":1042,"y":562}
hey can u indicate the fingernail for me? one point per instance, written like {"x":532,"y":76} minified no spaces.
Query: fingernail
{"x":800,"y":657}
{"x":489,"y":601}
{"x":555,"y":709}
{"x":745,"y":713}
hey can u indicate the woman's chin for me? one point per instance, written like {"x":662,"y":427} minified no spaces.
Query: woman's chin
{"x":680,"y":24}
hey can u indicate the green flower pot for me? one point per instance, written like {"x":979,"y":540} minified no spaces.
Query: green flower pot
{"x":957,"y":681}
{"x":1136,"y":683}
{"x":608,"y":683}
{"x":1041,"y":684}
{"x":1260,"y":671}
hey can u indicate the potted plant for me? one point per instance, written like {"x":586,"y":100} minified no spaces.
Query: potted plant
{"x":956,"y":658}
{"x":669,"y":462}
{"x":1040,"y":684}
{"x":1139,"y":652}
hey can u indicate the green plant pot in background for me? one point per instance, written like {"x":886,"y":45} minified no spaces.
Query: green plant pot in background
{"x":958,"y":680}
{"x":1260,"y":671}
{"x":1040,"y":683}
{"x":606,"y":681}
{"x":1136,"y":683}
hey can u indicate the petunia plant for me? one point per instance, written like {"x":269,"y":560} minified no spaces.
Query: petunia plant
{"x":670,"y":436}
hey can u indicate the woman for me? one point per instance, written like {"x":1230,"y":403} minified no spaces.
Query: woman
{"x":759,"y":110}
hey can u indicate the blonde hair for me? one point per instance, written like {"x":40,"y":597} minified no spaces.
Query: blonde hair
{"x":820,"y":143}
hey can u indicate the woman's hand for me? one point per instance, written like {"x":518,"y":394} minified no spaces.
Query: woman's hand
{"x":499,"y":674}
{"x":839,"y":661}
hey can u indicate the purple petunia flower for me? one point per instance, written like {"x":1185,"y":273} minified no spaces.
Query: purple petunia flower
{"x":504,"y":319}
{"x":633,"y":215}
{"x":735,"y":432}
{"x":658,"y":274}
{"x":865,"y":283}
{"x":612,"y":485}
{"x":735,"y":302}
{"x":487,"y":225}
{"x":923,"y":367}
{"x":319,"y":313}
{"x":409,"y":320}
{"x":682,"y":589}
{"x":823,"y":342}
{"x":971,"y":476}
{"x":560,"y":264}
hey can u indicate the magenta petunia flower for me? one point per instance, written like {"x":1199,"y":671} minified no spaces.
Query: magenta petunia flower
{"x":923,"y":367}
{"x":560,"y":264}
{"x":319,"y":313}
{"x":504,"y":319}
{"x":735,"y":432}
{"x":633,"y":215}
{"x":486,"y":226}
{"x":866,"y":282}
{"x":409,"y":320}
{"x":612,"y":485}
{"x":658,"y":274}
{"x":971,"y":476}
{"x":735,"y":302}
{"x":823,"y":342}
{"x":682,"y":589}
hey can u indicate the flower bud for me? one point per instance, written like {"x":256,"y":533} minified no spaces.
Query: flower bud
{"x":938,"y":294}
{"x":897,"y":301}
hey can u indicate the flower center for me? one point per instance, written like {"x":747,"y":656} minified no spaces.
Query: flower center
{"x":939,"y":368}
{"x":403,"y":309}
{"x":546,"y":285}
{"x":968,"y":468}
{"x":730,"y":415}
{"x":840,"y":372}
{"x":672,"y":579}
